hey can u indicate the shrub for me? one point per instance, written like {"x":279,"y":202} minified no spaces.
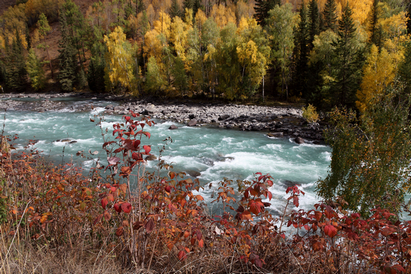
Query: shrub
{"x":310,"y":114}
{"x":162,"y":224}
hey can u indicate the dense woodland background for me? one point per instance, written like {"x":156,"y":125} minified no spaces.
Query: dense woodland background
{"x":327,"y":52}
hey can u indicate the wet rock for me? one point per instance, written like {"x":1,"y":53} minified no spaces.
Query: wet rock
{"x":64,"y":140}
{"x":193,"y":173}
{"x":288,"y":183}
{"x":173,"y":127}
{"x":192,"y":123}
{"x":299,"y":140}
{"x":150,"y":158}
{"x":275,"y":134}
{"x":223,"y":117}
{"x":72,"y":142}
{"x":207,"y":161}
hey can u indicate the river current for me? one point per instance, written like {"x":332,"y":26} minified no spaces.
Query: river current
{"x":213,"y":152}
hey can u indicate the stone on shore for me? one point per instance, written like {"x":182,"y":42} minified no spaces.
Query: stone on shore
{"x":192,"y":123}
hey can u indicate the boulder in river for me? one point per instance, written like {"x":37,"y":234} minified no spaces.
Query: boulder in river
{"x":173,"y":127}
{"x":193,"y":173}
{"x":192,"y":123}
{"x":299,"y":140}
{"x":150,"y":158}
{"x":275,"y":134}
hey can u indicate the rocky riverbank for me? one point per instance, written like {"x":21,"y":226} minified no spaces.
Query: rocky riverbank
{"x":278,"y":122}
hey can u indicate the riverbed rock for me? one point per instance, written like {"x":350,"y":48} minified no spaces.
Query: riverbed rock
{"x":275,"y":134}
{"x":299,"y":140}
{"x":192,"y":123}
{"x":173,"y":127}
{"x":150,"y":158}
{"x":193,"y":173}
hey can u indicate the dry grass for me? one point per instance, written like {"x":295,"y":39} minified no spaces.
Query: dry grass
{"x":24,"y":257}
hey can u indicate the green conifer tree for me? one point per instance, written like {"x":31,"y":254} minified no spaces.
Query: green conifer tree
{"x":404,"y":69}
{"x":262,"y":7}
{"x":175,"y":9}
{"x":314,"y":21}
{"x":301,"y":54}
{"x":16,"y":65}
{"x":67,"y":57}
{"x":375,"y":28}
{"x":35,"y":71}
{"x":95,"y":73}
{"x":347,"y":62}
{"x":330,"y":16}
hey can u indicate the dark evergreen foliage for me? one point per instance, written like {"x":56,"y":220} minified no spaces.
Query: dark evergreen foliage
{"x":175,"y":10}
{"x":314,"y":21}
{"x":348,"y":63}
{"x":195,"y":5}
{"x":404,"y":69}
{"x":95,"y":75}
{"x":262,"y":7}
{"x":375,"y":29}
{"x":16,"y":65}
{"x":301,"y":55}
{"x":330,"y":16}
{"x":67,"y":57}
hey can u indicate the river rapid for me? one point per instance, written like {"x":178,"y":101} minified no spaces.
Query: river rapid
{"x":209,"y":153}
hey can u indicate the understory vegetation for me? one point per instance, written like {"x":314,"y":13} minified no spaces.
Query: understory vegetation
{"x":121,"y":219}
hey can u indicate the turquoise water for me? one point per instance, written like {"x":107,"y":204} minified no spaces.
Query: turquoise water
{"x":215,"y":153}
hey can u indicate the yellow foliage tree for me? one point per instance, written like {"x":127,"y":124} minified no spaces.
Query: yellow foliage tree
{"x":222,"y":15}
{"x":178,"y":37}
{"x":379,"y":72}
{"x":119,"y":68}
{"x":163,"y":24}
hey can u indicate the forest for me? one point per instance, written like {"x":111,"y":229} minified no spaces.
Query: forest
{"x":326,"y":53}
{"x":349,"y":60}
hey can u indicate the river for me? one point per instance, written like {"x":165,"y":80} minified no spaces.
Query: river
{"x":213,"y":152}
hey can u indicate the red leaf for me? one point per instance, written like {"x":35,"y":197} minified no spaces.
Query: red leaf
{"x":147,"y":134}
{"x":256,"y":206}
{"x":104,"y":202}
{"x":120,"y":231}
{"x":137,"y":156}
{"x":117,"y":207}
{"x":97,"y":219}
{"x":147,"y":149}
{"x":201,"y":243}
{"x":330,"y":230}
{"x":258,"y":262}
{"x":149,"y":226}
{"x":126,"y":207}
{"x":199,"y":197}
{"x":136,"y":144}
{"x":107,"y":215}
{"x":110,"y":197}
{"x":398,"y":268}
{"x":296,"y":201}
{"x":182,"y":255}
{"x":318,"y":215}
